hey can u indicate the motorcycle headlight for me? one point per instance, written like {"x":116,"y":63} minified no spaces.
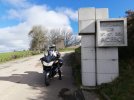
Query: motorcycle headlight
{"x":56,"y":61}
{"x":48,"y":64}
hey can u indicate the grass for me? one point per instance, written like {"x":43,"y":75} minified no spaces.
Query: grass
{"x":77,"y":75}
{"x":78,"y":50}
{"x":67,"y":49}
{"x":14,"y":55}
{"x":122,"y":88}
{"x":76,"y":66}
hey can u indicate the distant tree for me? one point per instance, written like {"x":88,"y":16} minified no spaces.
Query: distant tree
{"x":128,"y":52}
{"x":55,"y":36}
{"x":68,"y":37}
{"x":76,"y":40}
{"x":38,"y":38}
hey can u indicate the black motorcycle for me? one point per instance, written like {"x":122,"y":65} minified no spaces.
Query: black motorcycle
{"x":51,"y":66}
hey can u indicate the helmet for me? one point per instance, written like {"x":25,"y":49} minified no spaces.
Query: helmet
{"x":52,"y":47}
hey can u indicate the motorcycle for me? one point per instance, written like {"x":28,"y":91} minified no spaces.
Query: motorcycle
{"x":51,"y":66}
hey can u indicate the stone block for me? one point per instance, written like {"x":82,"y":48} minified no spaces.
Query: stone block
{"x":88,"y":41}
{"x":111,"y":32}
{"x":86,"y":26}
{"x":88,"y":79}
{"x":106,"y":78}
{"x":102,"y":13}
{"x":87,"y":53}
{"x":107,"y":66}
{"x":107,"y":53}
{"x":86,"y":13}
{"x":88,"y":65}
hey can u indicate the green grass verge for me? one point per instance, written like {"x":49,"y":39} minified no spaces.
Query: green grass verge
{"x":78,"y":50}
{"x":77,"y":75}
{"x":76,"y":66}
{"x":14,"y":55}
{"x":122,"y":88}
{"x":66,"y":49}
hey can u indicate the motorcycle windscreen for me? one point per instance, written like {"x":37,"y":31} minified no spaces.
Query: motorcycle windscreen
{"x":49,"y":58}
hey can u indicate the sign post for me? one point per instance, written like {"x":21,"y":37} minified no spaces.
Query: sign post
{"x":101,"y":37}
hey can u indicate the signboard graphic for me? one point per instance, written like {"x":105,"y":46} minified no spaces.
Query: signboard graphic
{"x":111,"y":33}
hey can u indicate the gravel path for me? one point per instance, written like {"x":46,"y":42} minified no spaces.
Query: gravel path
{"x":23,"y":80}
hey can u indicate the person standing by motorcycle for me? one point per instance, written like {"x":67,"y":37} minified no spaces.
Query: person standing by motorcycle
{"x":52,"y":51}
{"x":56,"y":56}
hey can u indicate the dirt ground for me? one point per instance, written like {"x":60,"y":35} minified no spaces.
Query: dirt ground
{"x":23,"y":80}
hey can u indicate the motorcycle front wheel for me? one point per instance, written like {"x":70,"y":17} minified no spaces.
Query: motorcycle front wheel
{"x":47,"y":79}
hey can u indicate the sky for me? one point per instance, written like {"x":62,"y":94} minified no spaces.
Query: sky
{"x":18,"y":16}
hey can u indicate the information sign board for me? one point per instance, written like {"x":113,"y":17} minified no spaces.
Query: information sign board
{"x":112,"y":32}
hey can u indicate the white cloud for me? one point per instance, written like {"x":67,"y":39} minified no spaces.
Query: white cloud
{"x":3,"y":48}
{"x":13,"y":38}
{"x":49,"y":18}
{"x":16,"y":37}
{"x":13,"y":14}
{"x":16,"y":2}
{"x":72,"y":14}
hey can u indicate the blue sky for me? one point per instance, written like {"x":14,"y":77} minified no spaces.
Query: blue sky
{"x":18,"y":16}
{"x":117,"y":8}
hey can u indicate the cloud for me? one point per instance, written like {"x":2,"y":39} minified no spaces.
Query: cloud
{"x":17,"y":3}
{"x":49,"y":18}
{"x":13,"y":14}
{"x":4,"y":48}
{"x":72,"y":14}
{"x":16,"y":37}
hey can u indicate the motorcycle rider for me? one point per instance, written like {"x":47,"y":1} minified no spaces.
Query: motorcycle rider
{"x":54,"y":55}
{"x":52,"y":51}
